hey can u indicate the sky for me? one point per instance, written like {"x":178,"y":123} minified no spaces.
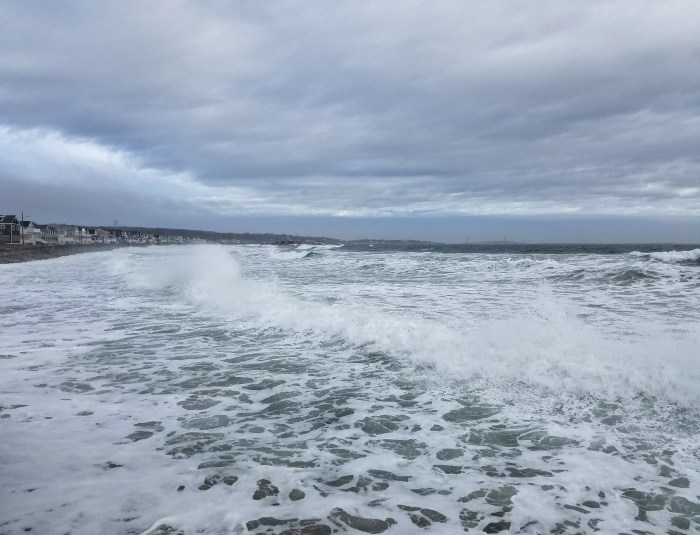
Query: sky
{"x":541,"y":121}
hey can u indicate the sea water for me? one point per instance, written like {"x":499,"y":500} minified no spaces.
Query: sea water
{"x":363,"y":388}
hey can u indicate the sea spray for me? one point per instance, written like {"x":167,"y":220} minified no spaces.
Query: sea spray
{"x":543,"y":342}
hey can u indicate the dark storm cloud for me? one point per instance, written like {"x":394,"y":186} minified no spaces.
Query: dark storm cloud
{"x":360,"y":109}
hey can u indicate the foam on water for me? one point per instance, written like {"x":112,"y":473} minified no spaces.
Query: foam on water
{"x":692,"y":256}
{"x":214,"y":390}
{"x":541,"y":342}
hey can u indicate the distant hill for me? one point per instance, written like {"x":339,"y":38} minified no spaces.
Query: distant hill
{"x":495,"y":242}
{"x":229,"y":237}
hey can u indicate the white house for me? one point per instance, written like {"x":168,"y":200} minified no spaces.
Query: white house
{"x":104,"y":236}
{"x":29,"y":234}
{"x":68,"y":235}
{"x":48,"y":234}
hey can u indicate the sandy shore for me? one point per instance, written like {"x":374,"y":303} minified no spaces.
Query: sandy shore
{"x":10,"y":254}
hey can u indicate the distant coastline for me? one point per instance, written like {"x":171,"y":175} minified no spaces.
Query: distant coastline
{"x":11,"y":254}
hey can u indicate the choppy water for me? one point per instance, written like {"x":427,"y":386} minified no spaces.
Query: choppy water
{"x":263,"y":389}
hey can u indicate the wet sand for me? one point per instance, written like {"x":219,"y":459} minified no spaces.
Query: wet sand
{"x":10,"y":254}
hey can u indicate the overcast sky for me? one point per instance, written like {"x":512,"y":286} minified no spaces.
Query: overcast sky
{"x":537,"y":120}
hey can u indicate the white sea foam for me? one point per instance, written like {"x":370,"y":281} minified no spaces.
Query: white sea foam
{"x":542,"y":342}
{"x":673,"y":256}
{"x":175,"y":365}
{"x":295,"y":252}
{"x":523,"y":263}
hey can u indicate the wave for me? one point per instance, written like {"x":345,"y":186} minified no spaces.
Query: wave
{"x":691,"y":257}
{"x":623,"y":274}
{"x":295,"y":252}
{"x":527,"y":262}
{"x":288,"y":252}
{"x":552,"y":269}
{"x":545,"y":344}
{"x":633,"y":275}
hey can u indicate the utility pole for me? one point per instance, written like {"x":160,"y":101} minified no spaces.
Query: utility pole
{"x":21,"y":231}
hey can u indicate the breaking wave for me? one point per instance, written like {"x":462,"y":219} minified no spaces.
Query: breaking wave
{"x":673,"y":257}
{"x":545,"y":344}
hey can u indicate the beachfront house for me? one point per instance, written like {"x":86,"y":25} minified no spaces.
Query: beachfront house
{"x":100,"y":235}
{"x":104,"y":236}
{"x":121,"y":235}
{"x":29,"y":234}
{"x":130,"y":236}
{"x":10,"y":232}
{"x":68,"y":234}
{"x":84,"y":236}
{"x":48,"y":234}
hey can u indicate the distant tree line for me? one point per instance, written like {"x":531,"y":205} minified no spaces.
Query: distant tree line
{"x":230,"y":237}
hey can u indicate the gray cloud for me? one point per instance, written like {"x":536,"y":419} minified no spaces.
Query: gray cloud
{"x":364,"y":110}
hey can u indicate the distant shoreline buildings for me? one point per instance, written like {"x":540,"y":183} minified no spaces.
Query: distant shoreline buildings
{"x":15,"y":231}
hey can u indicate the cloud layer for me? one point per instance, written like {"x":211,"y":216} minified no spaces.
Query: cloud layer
{"x":347,"y":109}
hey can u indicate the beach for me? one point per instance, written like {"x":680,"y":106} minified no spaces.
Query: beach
{"x":12,"y":254}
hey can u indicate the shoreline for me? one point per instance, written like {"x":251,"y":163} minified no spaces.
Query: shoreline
{"x":15,"y":254}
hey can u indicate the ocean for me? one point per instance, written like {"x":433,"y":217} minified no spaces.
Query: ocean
{"x":367,"y":388}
